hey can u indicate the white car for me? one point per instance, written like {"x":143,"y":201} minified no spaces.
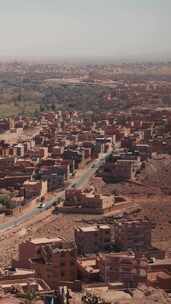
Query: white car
{"x":42,"y":205}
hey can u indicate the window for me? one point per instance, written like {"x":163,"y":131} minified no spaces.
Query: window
{"x":107,"y":240}
{"x":62,"y":274}
{"x":107,"y":232}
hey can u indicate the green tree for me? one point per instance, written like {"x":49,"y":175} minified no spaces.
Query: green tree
{"x":30,"y":297}
{"x":4,"y":200}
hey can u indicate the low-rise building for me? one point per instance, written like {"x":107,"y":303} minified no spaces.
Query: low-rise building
{"x":33,"y":189}
{"x":39,"y":152}
{"x":29,"y":249}
{"x":54,"y":175}
{"x":56,"y":264}
{"x":15,"y":280}
{"x":121,"y":170}
{"x":77,"y":201}
{"x":160,"y":279}
{"x":124,"y":267}
{"x":92,"y":239}
{"x":87,"y":269}
{"x":144,"y":151}
{"x":19,"y":150}
{"x":77,"y":156}
{"x":133,"y":234}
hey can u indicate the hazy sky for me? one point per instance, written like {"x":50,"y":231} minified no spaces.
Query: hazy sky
{"x":86,"y":28}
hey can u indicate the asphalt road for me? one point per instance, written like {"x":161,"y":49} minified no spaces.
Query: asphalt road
{"x":77,"y":183}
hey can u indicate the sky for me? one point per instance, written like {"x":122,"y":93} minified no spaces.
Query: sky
{"x":116,"y":29}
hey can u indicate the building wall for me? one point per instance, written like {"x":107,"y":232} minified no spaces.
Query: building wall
{"x":61,"y":267}
{"x":94,"y":240}
{"x":125,"y":268}
{"x":28,"y":250}
{"x":77,"y":198}
{"x":32,"y":189}
{"x":133,"y":234}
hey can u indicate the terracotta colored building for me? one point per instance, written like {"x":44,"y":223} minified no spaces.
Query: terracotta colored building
{"x":29,"y":249}
{"x":34,"y":188}
{"x":133,"y":234}
{"x":93,"y":239}
{"x":56,"y":264}
{"x":122,"y":267}
{"x":160,"y":279}
{"x":77,"y":201}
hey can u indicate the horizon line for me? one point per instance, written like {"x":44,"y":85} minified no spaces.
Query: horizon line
{"x":86,"y":59}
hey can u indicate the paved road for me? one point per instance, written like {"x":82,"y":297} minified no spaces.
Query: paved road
{"x":77,"y":182}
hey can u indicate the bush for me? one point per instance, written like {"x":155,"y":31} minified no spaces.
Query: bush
{"x":3,"y":199}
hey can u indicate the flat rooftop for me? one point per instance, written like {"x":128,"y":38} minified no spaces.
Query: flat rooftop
{"x":20,"y":271}
{"x":46,"y":240}
{"x":88,"y":228}
{"x":109,"y":295}
{"x":93,"y":228}
{"x":29,"y":182}
{"x":153,"y":276}
{"x":104,"y":227}
{"x":89,"y":265}
{"x":161,"y":262}
{"x":118,"y":255}
{"x":41,"y":284}
{"x":89,"y":262}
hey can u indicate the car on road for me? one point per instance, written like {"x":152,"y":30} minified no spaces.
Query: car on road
{"x":41,"y":205}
